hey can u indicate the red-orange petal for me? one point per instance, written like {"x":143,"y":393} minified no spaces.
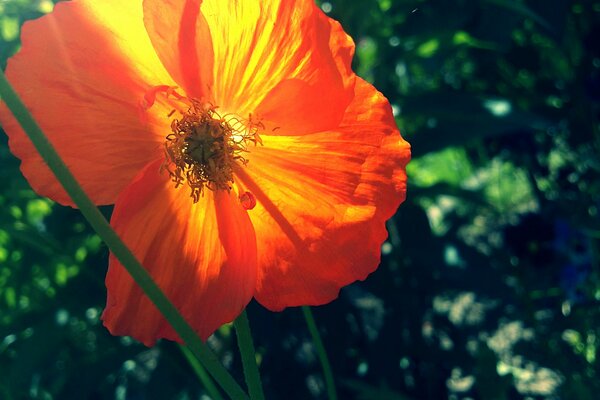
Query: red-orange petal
{"x":278,"y":58}
{"x":203,"y":256}
{"x":82,"y":71}
{"x":304,"y":106}
{"x":180,"y":35}
{"x":322,"y":202}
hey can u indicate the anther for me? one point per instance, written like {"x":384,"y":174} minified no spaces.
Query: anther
{"x":204,"y":147}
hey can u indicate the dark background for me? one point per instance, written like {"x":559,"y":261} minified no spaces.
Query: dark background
{"x":489,"y":285}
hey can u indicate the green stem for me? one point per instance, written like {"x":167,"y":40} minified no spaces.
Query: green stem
{"x":244,"y":339}
{"x":201,"y":373}
{"x":314,"y":332}
{"x":114,"y":243}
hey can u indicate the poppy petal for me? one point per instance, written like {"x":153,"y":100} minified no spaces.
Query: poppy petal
{"x":272,"y":57}
{"x":202,"y":255}
{"x":182,"y":40}
{"x":322,"y":202}
{"x":305,"y":106}
{"x":94,"y":63}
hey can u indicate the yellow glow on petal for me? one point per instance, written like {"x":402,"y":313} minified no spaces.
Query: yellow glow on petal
{"x":255,"y":48}
{"x":125,"y":21}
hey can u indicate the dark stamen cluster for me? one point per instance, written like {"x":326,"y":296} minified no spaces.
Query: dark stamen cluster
{"x":204,"y":147}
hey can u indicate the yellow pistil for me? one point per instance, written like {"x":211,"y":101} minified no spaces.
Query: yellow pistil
{"x":204,"y":147}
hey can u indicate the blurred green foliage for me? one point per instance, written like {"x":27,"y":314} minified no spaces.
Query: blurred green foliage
{"x":489,"y":286}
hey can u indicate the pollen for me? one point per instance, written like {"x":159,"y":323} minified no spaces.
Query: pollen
{"x":204,"y":148}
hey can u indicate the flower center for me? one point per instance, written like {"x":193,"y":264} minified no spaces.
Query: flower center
{"x":204,"y":147}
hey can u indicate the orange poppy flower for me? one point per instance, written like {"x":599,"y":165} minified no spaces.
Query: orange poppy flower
{"x":244,"y":157}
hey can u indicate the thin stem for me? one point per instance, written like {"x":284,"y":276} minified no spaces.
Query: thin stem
{"x":114,"y":243}
{"x":244,"y":339}
{"x":201,"y":373}
{"x":314,"y":332}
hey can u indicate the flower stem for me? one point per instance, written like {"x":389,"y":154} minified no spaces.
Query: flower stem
{"x":206,"y":380}
{"x":114,"y":243}
{"x":244,"y":339}
{"x":314,"y":332}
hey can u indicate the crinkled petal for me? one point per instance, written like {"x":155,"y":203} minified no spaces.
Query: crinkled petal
{"x":180,"y":35}
{"x":82,"y":71}
{"x":301,"y":106}
{"x":282,"y":60}
{"x":322,"y":202}
{"x":203,"y":256}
